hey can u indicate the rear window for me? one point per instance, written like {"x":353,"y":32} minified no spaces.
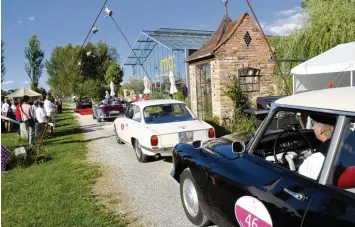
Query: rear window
{"x":166,"y":113}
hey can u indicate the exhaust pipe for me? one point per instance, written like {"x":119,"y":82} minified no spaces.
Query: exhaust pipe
{"x":157,"y":155}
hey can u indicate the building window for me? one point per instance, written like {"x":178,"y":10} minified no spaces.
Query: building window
{"x":249,"y":79}
{"x":247,"y":39}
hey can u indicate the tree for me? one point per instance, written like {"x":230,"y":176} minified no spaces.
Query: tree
{"x":3,"y":68}
{"x":114,"y":73}
{"x":134,"y":84}
{"x":35,"y":56}
{"x":70,"y":66}
{"x":328,"y":23}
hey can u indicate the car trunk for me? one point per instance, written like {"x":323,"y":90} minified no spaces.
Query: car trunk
{"x":113,"y":110}
{"x":170,"y":133}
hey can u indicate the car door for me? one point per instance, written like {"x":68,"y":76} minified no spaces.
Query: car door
{"x":230,"y":180}
{"x":252,"y":192}
{"x":333,"y":203}
{"x":131,"y":124}
{"x":123,"y":125}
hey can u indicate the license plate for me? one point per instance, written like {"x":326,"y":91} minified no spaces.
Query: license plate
{"x":186,"y":137}
{"x":114,"y":113}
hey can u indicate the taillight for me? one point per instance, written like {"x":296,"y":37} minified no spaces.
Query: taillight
{"x":211,"y":133}
{"x":154,"y":141}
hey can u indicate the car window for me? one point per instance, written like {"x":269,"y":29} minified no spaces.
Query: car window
{"x":288,"y":142}
{"x":165,"y":113}
{"x":130,"y":112}
{"x":344,"y":165}
{"x":137,"y":114}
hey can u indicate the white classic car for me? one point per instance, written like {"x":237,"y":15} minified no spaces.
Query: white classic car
{"x":154,"y":127}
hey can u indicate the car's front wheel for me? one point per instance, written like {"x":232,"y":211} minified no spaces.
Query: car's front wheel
{"x":141,"y":157}
{"x":117,"y":137}
{"x":190,"y":199}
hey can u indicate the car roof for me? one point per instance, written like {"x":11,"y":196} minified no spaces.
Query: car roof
{"x":154,"y":102}
{"x":338,"y":99}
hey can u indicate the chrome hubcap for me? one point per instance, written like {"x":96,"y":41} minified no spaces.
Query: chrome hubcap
{"x":190,"y":197}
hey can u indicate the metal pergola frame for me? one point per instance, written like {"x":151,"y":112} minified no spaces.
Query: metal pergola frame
{"x":171,"y":39}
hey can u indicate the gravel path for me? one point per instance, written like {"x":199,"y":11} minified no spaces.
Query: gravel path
{"x":150,"y":191}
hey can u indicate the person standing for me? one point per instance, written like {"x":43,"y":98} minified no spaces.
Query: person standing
{"x":48,"y":106}
{"x":59,"y":106}
{"x":27,"y":118}
{"x":18,"y":117}
{"x":107,"y":97}
{"x":6,"y":111}
{"x":34,"y":107}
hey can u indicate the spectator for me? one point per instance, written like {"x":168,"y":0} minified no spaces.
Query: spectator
{"x":26,"y":115}
{"x":18,"y":117}
{"x":59,"y":107}
{"x":7,"y":112}
{"x":107,"y":97}
{"x":48,"y":106}
{"x":34,"y":107}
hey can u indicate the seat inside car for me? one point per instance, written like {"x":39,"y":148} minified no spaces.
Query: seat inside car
{"x":347,"y":178}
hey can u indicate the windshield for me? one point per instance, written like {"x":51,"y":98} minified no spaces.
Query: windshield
{"x":166,"y":113}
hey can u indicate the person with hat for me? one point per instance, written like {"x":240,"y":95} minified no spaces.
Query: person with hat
{"x":312,"y":166}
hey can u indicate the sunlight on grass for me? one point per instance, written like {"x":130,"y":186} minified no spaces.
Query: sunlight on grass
{"x":57,"y":192}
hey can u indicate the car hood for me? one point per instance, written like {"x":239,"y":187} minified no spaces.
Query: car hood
{"x":181,"y":126}
{"x":223,"y":145}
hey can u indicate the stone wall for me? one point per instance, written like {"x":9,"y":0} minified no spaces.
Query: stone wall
{"x":235,"y":55}
{"x":228,"y":59}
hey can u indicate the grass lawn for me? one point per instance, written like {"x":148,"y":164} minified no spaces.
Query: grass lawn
{"x":57,"y":192}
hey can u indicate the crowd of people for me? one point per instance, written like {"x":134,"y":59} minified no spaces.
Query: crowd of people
{"x":35,"y":114}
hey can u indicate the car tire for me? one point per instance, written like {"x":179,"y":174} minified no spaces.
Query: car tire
{"x":141,"y":157}
{"x":190,"y":199}
{"x":119,"y":141}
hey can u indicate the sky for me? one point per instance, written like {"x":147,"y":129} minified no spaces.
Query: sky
{"x":58,"y":23}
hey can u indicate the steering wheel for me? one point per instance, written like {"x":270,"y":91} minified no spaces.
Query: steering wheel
{"x":287,"y":131}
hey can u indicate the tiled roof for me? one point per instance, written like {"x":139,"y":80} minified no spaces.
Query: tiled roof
{"x":219,"y":37}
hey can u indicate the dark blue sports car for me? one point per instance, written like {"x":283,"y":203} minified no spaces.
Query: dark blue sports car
{"x":300,"y":173}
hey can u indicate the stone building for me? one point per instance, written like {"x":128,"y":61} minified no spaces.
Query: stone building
{"x":236,"y":49}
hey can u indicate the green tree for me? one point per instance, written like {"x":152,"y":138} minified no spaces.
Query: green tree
{"x":70,"y":66}
{"x":3,"y":68}
{"x":35,"y":56}
{"x":134,"y":84}
{"x":114,"y":73}
{"x":328,"y":23}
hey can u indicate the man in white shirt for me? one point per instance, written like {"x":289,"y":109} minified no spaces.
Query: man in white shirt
{"x":312,"y":166}
{"x":48,"y":106}
{"x":34,"y":107}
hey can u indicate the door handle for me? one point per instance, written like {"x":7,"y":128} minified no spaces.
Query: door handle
{"x":298,"y":196}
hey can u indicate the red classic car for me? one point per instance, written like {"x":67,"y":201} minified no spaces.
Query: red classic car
{"x":107,"y":111}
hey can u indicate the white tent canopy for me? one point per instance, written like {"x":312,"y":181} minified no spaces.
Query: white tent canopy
{"x":333,"y":68}
{"x":22,"y":92}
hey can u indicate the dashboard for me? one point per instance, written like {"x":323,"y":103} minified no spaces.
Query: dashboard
{"x":291,"y":148}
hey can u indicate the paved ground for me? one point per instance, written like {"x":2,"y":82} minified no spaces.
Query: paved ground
{"x":147,"y":187}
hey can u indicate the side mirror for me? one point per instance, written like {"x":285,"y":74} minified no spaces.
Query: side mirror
{"x":238,"y":147}
{"x":197,"y":144}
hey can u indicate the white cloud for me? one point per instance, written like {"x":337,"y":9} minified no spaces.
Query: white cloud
{"x":287,"y":22}
{"x":289,"y":12}
{"x":19,"y":21}
{"x":31,"y":18}
{"x":202,"y":25}
{"x":8,"y":82}
{"x":25,"y":82}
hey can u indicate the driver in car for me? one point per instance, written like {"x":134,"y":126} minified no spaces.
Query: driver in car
{"x":312,"y":166}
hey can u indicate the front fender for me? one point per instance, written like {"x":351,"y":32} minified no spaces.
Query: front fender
{"x":199,"y":161}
